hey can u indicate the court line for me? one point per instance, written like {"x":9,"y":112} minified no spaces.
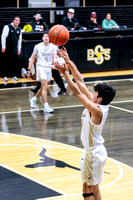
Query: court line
{"x":122,"y":109}
{"x":118,"y":178}
{"x":73,"y":106}
{"x":70,"y":146}
{"x":88,"y":82}
{"x":65,"y":195}
{"x":126,"y":101}
{"x":43,"y":146}
{"x":43,"y":140}
{"x":32,"y":179}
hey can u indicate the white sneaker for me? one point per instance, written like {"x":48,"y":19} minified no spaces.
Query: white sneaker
{"x":33,"y":103}
{"x":48,"y":109}
{"x":54,"y":94}
{"x":14,"y":78}
{"x":23,"y":72}
{"x":5,"y":79}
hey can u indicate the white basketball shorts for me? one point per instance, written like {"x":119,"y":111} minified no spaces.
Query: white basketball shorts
{"x":92,"y":163}
{"x":43,"y":73}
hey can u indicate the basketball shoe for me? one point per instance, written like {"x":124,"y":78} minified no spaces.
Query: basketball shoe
{"x":48,"y":109}
{"x":14,"y":78}
{"x":33,"y":102}
{"x":5,"y":79}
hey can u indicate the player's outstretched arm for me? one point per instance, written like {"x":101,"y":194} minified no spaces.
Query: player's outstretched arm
{"x":54,"y":57}
{"x":96,"y":113}
{"x":31,"y":62}
{"x":76,"y":74}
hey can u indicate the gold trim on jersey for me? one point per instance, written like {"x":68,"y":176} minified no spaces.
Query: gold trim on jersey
{"x":91,"y":141}
{"x":88,"y":167}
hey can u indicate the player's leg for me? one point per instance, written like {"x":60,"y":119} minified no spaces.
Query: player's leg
{"x":96,"y":191}
{"x":34,"y":99}
{"x":44,"y":85}
{"x":57,"y":77}
{"x":35,"y":90}
{"x":40,"y":75}
{"x":88,"y":192}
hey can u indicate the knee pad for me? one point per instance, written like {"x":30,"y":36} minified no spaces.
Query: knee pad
{"x":87,"y":194}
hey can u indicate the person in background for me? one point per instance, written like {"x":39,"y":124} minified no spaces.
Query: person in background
{"x":45,"y":54}
{"x":11,"y":40}
{"x":70,"y":22}
{"x":57,"y":77}
{"x":92,"y":23}
{"x":109,"y":23}
{"x":38,"y":24}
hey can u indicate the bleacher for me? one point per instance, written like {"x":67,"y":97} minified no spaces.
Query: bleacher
{"x":123,"y":15}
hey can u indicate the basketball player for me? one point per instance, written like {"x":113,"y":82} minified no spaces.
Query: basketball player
{"x":93,"y":119}
{"x":45,"y":54}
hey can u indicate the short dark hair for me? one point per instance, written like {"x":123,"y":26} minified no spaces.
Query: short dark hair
{"x":16,"y":17}
{"x":106,"y":91}
{"x":45,"y":32}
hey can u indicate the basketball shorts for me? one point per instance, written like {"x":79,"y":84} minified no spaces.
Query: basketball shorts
{"x":43,"y":73}
{"x":92,"y":163}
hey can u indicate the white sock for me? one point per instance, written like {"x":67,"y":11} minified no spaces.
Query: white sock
{"x":34,"y":98}
{"x":46,"y":104}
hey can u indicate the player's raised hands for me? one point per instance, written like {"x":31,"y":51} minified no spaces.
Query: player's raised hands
{"x":64,"y":54}
{"x":60,"y":68}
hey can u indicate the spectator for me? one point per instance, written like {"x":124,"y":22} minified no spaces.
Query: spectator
{"x":11,"y":40}
{"x":109,"y":23}
{"x":70,"y":22}
{"x":92,"y":23}
{"x":38,"y":24}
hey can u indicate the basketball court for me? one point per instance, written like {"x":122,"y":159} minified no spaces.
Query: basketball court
{"x":40,"y":153}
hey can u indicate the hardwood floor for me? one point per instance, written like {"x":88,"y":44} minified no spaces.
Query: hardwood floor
{"x":40,"y":153}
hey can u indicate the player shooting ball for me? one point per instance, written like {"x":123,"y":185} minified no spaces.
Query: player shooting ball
{"x":92,"y":120}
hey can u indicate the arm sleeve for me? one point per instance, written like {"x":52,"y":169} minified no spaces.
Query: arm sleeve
{"x":32,"y":24}
{"x":104,"y":25}
{"x":54,"y":49}
{"x":45,"y":26}
{"x":20,"y":41}
{"x":64,"y":22}
{"x":87,"y":24}
{"x":4,"y":35}
{"x":35,"y":50}
{"x":115,"y":24}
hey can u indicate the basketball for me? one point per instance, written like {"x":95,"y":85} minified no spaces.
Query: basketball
{"x":58,"y":35}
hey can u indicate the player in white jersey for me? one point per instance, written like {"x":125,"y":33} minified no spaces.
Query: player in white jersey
{"x":93,"y":119}
{"x":44,"y":53}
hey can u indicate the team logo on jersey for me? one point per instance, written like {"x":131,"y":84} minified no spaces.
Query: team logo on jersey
{"x":99,"y":54}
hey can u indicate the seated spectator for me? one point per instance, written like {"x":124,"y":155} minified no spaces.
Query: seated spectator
{"x":70,"y":22}
{"x":92,"y":23}
{"x":109,"y":23}
{"x":38,"y":24}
